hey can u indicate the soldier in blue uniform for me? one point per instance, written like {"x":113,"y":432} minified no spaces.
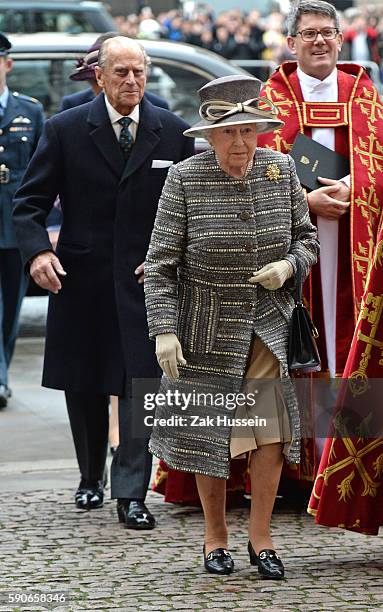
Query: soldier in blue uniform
{"x":21,"y":121}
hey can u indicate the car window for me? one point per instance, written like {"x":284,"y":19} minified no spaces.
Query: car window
{"x":178,"y":85}
{"x":14,"y":21}
{"x":5,"y":21}
{"x":61,"y":21}
{"x":25,"y":22}
{"x":44,"y":79}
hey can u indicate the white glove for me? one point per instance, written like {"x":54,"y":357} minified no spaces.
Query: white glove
{"x":169,"y":353}
{"x":273,"y":275}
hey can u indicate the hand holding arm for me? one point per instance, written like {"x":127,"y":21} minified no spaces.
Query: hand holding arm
{"x":273,"y":275}
{"x":44,"y":270}
{"x":331,"y":201}
{"x":169,"y":354}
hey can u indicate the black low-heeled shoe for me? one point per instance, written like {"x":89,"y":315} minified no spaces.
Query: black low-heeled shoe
{"x":218,"y":561}
{"x":89,"y":496}
{"x":268,"y":562}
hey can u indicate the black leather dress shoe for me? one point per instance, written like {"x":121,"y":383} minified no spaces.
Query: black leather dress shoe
{"x":5,"y":394}
{"x":268,"y":562}
{"x":89,"y":495}
{"x":134,"y":514}
{"x":218,"y":561}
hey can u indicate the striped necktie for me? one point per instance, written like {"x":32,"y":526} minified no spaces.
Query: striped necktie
{"x":126,"y":138}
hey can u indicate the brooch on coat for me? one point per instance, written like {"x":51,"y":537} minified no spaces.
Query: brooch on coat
{"x":273,"y":172}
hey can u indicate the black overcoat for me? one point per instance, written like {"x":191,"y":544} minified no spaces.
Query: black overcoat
{"x":96,"y":329}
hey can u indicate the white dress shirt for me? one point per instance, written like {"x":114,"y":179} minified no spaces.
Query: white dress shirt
{"x":314,"y":90}
{"x":114,"y":117}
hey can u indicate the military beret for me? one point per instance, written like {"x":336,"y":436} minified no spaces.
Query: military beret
{"x":5,"y":45}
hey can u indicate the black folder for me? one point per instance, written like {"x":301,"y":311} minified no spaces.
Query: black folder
{"x":313,"y":159}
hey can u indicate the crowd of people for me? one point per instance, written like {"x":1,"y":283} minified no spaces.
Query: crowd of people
{"x":219,"y":240}
{"x":237,"y":35}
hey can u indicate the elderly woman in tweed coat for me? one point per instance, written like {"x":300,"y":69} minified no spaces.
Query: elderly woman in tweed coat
{"x":232,"y":227}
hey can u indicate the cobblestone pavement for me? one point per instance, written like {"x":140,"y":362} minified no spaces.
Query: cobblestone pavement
{"x":46,"y":545}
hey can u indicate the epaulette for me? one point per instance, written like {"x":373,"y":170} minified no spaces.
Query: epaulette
{"x":24,"y":97}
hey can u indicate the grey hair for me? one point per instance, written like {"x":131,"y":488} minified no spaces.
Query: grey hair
{"x":103,"y":53}
{"x":316,"y":7}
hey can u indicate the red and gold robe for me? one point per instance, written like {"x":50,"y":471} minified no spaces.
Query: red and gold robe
{"x":357,"y":120}
{"x":348,"y":489}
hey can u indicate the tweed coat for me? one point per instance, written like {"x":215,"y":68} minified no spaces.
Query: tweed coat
{"x":212,"y":231}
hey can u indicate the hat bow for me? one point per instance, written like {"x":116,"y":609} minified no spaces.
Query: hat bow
{"x":214,"y":110}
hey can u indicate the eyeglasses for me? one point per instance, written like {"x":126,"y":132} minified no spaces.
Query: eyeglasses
{"x":311,"y":35}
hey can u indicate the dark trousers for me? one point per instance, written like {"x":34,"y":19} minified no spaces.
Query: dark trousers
{"x":89,"y":421}
{"x":13,"y":284}
{"x":132,"y":463}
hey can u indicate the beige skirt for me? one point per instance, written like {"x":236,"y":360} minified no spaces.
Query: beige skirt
{"x":269,"y":410}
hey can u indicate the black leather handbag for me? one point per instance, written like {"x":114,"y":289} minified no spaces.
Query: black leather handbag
{"x":303,"y":352}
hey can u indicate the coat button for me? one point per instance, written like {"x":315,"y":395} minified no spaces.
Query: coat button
{"x":1,"y":149}
{"x":248,"y":247}
{"x":244,"y":215}
{"x":247,"y":307}
{"x":1,"y":132}
{"x":241,"y":187}
{"x":24,"y":138}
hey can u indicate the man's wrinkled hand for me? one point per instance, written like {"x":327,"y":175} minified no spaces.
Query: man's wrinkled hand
{"x":273,"y":275}
{"x":45,"y":268}
{"x":331,"y":201}
{"x":139,"y":271}
{"x":169,"y":354}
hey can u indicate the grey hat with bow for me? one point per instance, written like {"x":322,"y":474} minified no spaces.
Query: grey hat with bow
{"x":232,"y":100}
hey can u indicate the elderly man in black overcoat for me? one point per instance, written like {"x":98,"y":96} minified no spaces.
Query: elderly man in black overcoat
{"x":107,"y":161}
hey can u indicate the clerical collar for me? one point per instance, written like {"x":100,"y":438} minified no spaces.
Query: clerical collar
{"x":312,"y":83}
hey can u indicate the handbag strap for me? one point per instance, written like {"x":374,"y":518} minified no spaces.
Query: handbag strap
{"x":298,"y":300}
{"x":298,"y":285}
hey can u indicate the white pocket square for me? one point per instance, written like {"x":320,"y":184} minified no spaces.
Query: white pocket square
{"x":162,"y":163}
